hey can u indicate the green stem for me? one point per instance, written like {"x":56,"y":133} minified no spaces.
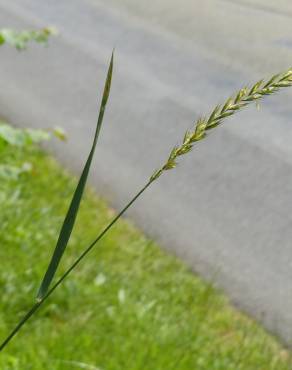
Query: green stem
{"x":38,"y":304}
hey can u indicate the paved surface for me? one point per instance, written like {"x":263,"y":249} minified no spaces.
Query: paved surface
{"x":227,"y":209}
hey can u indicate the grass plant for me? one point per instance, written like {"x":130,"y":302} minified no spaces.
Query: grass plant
{"x":232,"y":105}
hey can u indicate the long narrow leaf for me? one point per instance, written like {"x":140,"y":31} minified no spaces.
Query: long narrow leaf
{"x":69,"y":220}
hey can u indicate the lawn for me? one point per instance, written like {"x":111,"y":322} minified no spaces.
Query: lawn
{"x":129,"y":306}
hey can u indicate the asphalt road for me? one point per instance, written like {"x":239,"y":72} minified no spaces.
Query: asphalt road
{"x":226,"y":209}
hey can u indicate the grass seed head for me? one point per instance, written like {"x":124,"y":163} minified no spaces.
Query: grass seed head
{"x":233,"y":104}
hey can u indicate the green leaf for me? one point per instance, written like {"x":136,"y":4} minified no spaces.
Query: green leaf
{"x":69,"y":220}
{"x":21,"y":137}
{"x":8,"y":172}
{"x":36,"y":136}
{"x":59,"y":133}
{"x":11,"y":135}
{"x":20,"y":39}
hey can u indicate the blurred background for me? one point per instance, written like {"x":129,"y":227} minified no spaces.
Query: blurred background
{"x":226,"y":209}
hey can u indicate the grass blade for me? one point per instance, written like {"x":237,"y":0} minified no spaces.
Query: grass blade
{"x":69,"y":220}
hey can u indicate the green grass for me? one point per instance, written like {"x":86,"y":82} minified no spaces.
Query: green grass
{"x":129,"y":306}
